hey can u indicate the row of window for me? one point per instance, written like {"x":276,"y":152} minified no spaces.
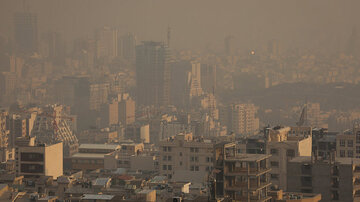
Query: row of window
{"x":289,"y":152}
{"x":350,"y":143}
{"x":350,"y":153}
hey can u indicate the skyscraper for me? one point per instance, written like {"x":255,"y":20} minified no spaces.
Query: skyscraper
{"x":25,"y":24}
{"x":128,"y":44}
{"x":153,"y":74}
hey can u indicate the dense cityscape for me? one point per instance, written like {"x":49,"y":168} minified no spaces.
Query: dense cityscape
{"x":114,"y":114}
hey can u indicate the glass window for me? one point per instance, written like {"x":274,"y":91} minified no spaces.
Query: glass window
{"x":274,"y":151}
{"x":169,"y":167}
{"x":350,"y":143}
{"x":350,"y":153}
{"x":342,"y":143}
{"x":274,"y":164}
{"x":164,"y":167}
{"x":342,"y":153}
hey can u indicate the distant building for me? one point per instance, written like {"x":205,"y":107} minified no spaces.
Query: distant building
{"x":126,"y":109}
{"x":348,"y":143}
{"x":208,"y":78}
{"x":5,"y":153}
{"x":99,"y":93}
{"x":152,"y":74}
{"x":35,"y":160}
{"x":106,"y":43}
{"x":243,"y":119}
{"x":26,"y":31}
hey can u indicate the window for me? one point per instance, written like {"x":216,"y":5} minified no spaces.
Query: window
{"x":207,"y":159}
{"x":274,"y":151}
{"x":342,"y":153}
{"x":164,"y":158}
{"x":196,"y":168}
{"x":358,"y":149}
{"x":350,"y":153}
{"x":192,"y":168}
{"x":290,"y":153}
{"x":169,"y":149}
{"x":180,"y":153}
{"x":274,"y":164}
{"x":164,"y":149}
{"x":169,"y":167}
{"x":164,"y":167}
{"x":192,"y":149}
{"x":274,"y":176}
{"x":169,"y":158}
{"x":342,"y":143}
{"x":196,"y":150}
{"x":180,"y":163}
{"x":350,"y":143}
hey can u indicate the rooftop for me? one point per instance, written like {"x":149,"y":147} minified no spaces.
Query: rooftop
{"x":88,"y":155}
{"x":99,"y":146}
{"x":97,"y":197}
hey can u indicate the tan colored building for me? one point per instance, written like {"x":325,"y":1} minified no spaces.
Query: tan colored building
{"x":242,"y":177}
{"x":39,"y":160}
{"x":243,"y":119}
{"x":348,"y":143}
{"x":280,"y":196}
{"x":126,"y":109}
{"x":184,"y":158}
{"x":91,"y":156}
{"x":4,"y":138}
{"x":285,"y":143}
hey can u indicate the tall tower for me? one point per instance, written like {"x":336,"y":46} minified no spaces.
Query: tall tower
{"x":153,"y":74}
{"x":25,"y":30}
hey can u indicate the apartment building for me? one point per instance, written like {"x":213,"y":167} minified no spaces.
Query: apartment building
{"x":185,"y":158}
{"x":285,"y":143}
{"x":35,"y":160}
{"x":241,"y":177}
{"x":348,"y":143}
{"x":336,"y":179}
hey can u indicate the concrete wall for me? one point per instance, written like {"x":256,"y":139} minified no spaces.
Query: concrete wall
{"x":54,"y":160}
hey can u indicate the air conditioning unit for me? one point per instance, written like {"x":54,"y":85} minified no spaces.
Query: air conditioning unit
{"x":177,"y":199}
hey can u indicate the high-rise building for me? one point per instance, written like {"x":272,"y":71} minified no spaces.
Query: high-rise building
{"x":4,"y":138}
{"x":208,"y":78}
{"x":126,"y":110}
{"x":243,"y":119}
{"x":194,"y":81}
{"x":106,"y":43}
{"x":153,"y":74}
{"x":99,"y":93}
{"x":128,"y":45}
{"x":26,"y":31}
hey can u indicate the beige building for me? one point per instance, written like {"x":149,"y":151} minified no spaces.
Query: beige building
{"x":348,"y":143}
{"x":285,"y":143}
{"x":243,"y":119}
{"x":35,"y":160}
{"x":126,"y":109}
{"x":184,"y":158}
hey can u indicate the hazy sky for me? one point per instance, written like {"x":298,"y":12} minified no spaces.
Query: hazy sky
{"x":196,"y":23}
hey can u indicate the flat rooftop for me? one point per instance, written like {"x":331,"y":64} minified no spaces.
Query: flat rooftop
{"x":99,"y":146}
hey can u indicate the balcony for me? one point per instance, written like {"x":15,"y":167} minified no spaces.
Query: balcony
{"x":253,"y":185}
{"x":245,"y":171}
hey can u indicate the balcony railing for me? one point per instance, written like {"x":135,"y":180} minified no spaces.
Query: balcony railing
{"x":251,"y":171}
